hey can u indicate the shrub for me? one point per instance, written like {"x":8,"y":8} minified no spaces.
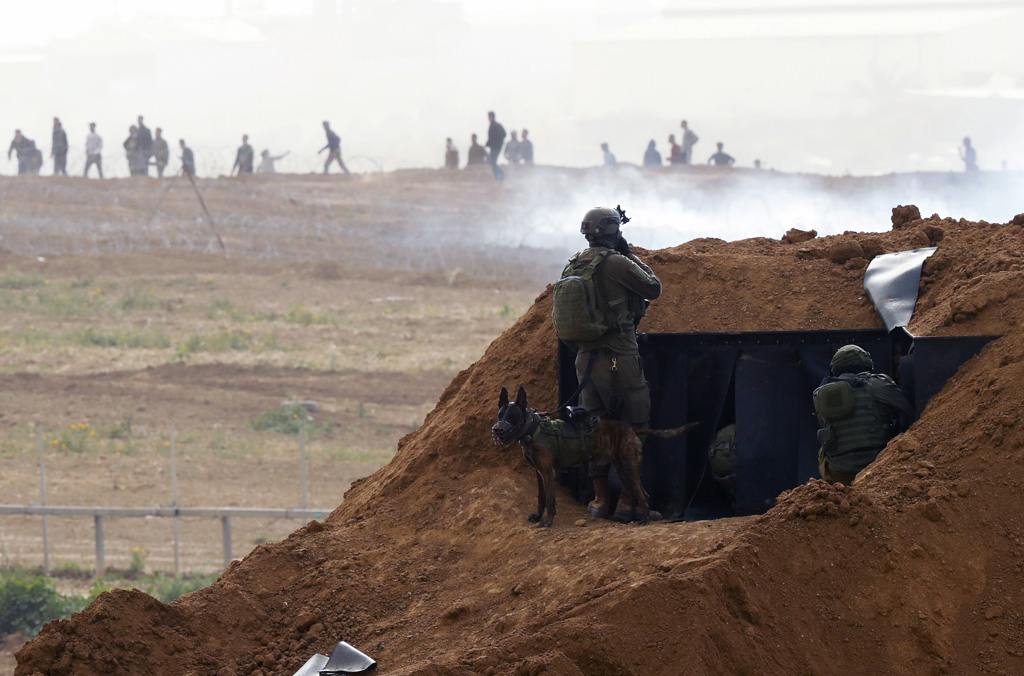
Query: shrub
{"x":291,"y":419}
{"x":27,"y":603}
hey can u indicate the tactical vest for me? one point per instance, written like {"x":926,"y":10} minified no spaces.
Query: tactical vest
{"x":852,"y":421}
{"x":570,"y":443}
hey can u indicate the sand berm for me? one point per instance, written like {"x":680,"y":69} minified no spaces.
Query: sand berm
{"x":430,"y":566}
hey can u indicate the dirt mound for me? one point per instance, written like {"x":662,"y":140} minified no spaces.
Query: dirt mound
{"x":430,"y":566}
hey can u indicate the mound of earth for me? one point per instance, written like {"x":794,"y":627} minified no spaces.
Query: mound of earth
{"x":430,"y":566}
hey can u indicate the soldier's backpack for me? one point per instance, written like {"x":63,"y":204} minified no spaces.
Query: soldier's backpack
{"x":577,"y":312}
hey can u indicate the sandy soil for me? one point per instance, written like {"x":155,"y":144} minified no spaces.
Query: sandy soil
{"x":430,"y":566}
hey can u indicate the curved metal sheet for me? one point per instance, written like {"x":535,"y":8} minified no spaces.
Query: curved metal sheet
{"x":892,"y":282}
{"x":312,"y":666}
{"x":347,"y":660}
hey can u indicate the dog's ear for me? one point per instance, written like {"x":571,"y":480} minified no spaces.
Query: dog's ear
{"x":503,"y":398}
{"x":521,"y":398}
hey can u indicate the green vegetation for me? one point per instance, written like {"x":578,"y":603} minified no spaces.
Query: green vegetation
{"x":89,"y":337}
{"x":291,"y":419}
{"x":302,"y":315}
{"x":29,"y":600}
{"x":12,"y":279}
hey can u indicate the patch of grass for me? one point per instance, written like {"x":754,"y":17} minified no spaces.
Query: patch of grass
{"x":74,"y":439}
{"x":133,"y":300}
{"x":507,"y":311}
{"x":83,"y":283}
{"x":302,"y":315}
{"x":27,"y":602}
{"x":89,"y":337}
{"x":232,"y":339}
{"x":291,"y":419}
{"x":12,"y":279}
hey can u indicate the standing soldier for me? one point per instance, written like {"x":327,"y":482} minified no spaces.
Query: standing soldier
{"x":495,"y":139}
{"x":244,"y":157}
{"x":859,"y":412}
{"x":59,"y":149}
{"x":188,"y":160}
{"x":334,"y":146}
{"x":145,"y":148}
{"x":93,"y":151}
{"x":526,"y":147}
{"x":161,"y":152}
{"x":609,"y":365}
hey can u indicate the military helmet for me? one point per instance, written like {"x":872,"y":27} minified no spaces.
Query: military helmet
{"x":851,"y":356}
{"x":600,"y":221}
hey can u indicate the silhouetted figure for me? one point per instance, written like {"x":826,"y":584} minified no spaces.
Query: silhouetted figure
{"x":969,"y":156}
{"x":512,"y":149}
{"x":93,"y":150}
{"x":244,"y":157}
{"x":334,"y":146}
{"x":687,"y":142}
{"x":59,"y":149}
{"x":267,"y":162}
{"x":477,"y":154}
{"x":721,"y":158}
{"x":757,"y":164}
{"x":675,"y":153}
{"x":526,"y":147}
{"x":609,"y":156}
{"x":495,"y":139}
{"x":25,"y":148}
{"x":145,"y":148}
{"x":188,"y":160}
{"x":451,"y":155}
{"x":161,"y":152}
{"x":134,"y":153}
{"x":652,"y":158}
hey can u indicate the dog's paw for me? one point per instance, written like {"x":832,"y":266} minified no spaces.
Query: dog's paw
{"x":642,"y":521}
{"x":544,"y":523}
{"x":533,"y":518}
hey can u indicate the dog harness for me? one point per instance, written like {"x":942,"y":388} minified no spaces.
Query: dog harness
{"x":570,"y":442}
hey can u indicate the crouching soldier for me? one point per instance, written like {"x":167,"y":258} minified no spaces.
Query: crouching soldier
{"x":602,"y":295}
{"x":859,"y":411}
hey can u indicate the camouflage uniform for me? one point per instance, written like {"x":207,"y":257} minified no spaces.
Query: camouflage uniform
{"x":617,"y":389}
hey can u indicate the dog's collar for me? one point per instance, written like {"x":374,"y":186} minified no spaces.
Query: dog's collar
{"x":531,"y":428}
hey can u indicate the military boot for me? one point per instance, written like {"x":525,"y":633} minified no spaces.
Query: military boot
{"x":626,"y":505}
{"x":600,"y":506}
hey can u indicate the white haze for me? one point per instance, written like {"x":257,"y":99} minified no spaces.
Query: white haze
{"x":863,"y":91}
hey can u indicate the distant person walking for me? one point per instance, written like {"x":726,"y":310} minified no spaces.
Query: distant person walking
{"x":451,"y":155}
{"x":24,"y":148}
{"x":244,"y":157}
{"x":721,"y":158}
{"x":188,"y":160}
{"x":59,"y":149}
{"x":675,"y":155}
{"x":145,"y":148}
{"x":93,"y":151}
{"x":609,"y":156}
{"x":161,"y":152}
{"x":334,"y":146}
{"x":688,"y":140}
{"x":267,"y":162}
{"x":526,"y":147}
{"x":512,"y":155}
{"x":652,"y":158}
{"x":495,"y":139}
{"x":477,"y":154}
{"x":969,"y":156}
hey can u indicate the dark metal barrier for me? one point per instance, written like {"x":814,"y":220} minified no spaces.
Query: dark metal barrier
{"x":762,"y":382}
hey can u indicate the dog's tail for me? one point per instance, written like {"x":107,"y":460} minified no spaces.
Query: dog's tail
{"x":668,"y":434}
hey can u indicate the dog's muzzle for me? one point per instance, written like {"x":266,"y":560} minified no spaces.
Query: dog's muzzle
{"x":503,"y":432}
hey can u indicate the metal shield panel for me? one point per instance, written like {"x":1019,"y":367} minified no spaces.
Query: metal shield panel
{"x":892,"y":282}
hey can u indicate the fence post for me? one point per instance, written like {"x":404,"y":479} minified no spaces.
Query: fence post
{"x":174,"y":498}
{"x":225,"y":522}
{"x":101,"y":561}
{"x":42,"y":501}
{"x":302,"y":464}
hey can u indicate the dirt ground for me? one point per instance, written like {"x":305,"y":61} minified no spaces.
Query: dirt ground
{"x":430,"y":566}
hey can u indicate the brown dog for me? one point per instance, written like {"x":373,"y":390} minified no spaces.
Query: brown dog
{"x":610,"y":442}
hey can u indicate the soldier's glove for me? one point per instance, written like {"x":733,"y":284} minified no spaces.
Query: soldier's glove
{"x":622,"y":246}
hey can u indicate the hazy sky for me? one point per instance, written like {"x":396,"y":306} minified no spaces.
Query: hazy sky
{"x":867,"y":91}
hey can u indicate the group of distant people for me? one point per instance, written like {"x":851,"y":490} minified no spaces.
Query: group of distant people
{"x":518,"y":150}
{"x":679,"y":153}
